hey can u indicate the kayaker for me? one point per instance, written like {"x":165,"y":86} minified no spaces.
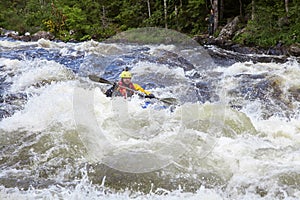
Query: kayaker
{"x":126,"y":88}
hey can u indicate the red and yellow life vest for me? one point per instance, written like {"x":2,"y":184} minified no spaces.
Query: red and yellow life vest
{"x":123,"y":91}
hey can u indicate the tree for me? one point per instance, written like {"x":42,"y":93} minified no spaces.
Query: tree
{"x":241,"y":7}
{"x":253,"y":5}
{"x":271,"y":20}
{"x":221,"y":9}
{"x":215,"y":6}
{"x":165,"y":13}
{"x":149,"y":8}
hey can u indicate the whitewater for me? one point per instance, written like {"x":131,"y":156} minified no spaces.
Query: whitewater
{"x":234,"y":132}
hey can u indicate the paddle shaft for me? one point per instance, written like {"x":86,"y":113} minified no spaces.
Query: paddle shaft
{"x":102,"y":80}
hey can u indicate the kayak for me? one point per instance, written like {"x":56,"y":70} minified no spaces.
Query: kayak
{"x":168,"y":101}
{"x":155,"y":106}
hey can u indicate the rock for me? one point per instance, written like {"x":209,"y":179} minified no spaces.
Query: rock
{"x":8,"y":33}
{"x":228,"y":31}
{"x":294,"y":49}
{"x":27,"y":37}
{"x":204,"y":39}
{"x":42,"y":34}
{"x":244,"y":50}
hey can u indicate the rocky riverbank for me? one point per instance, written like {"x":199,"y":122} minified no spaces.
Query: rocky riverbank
{"x":227,"y":48}
{"x":27,"y":36}
{"x":231,"y":52}
{"x":279,"y":52}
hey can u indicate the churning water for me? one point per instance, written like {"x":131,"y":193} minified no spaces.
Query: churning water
{"x":234,"y":133}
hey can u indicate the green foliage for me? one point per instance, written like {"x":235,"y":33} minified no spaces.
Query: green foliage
{"x":100,"y":19}
{"x":130,"y":14}
{"x":151,"y":35}
{"x":156,"y":19}
{"x":192,"y":19}
{"x":12,"y":22}
{"x":75,"y":23}
{"x":272,"y":25}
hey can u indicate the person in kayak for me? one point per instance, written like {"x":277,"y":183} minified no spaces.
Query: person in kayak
{"x":126,"y":88}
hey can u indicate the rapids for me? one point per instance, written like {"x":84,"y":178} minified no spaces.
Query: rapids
{"x":235,"y":133}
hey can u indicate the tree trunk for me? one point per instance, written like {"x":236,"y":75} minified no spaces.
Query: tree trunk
{"x":103,"y":17}
{"x":176,"y":15}
{"x":216,"y":14}
{"x":241,"y":7}
{"x":286,"y":2}
{"x":149,"y":8}
{"x":253,"y":10}
{"x":42,"y":2}
{"x":221,"y":9}
{"x":165,"y":11}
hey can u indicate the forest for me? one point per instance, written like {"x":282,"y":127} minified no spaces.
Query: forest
{"x":263,"y":22}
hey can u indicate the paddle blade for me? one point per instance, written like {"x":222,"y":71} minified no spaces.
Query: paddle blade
{"x":169,"y":100}
{"x":99,"y":79}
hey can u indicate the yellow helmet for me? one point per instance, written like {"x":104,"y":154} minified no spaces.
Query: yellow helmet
{"x":125,"y":74}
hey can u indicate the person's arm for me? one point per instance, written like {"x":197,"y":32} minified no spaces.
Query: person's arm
{"x":139,"y":88}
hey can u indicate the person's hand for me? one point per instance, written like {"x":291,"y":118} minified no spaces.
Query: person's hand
{"x":110,"y":91}
{"x":114,"y":85}
{"x":150,"y":96}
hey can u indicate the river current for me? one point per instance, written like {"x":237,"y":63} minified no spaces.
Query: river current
{"x":234,"y":132}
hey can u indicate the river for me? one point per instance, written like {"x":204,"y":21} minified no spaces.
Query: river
{"x":234,"y":132}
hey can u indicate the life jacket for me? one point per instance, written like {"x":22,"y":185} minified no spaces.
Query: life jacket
{"x":123,"y":91}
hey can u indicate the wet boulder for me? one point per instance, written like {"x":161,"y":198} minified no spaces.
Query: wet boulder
{"x":27,"y":36}
{"x":229,"y":30}
{"x":295,"y":49}
{"x":265,"y":89}
{"x":42,"y":34}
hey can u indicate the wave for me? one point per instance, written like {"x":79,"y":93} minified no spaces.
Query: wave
{"x":233,"y":135}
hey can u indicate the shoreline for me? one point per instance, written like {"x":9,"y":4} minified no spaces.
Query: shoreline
{"x":230,"y":51}
{"x":234,"y":51}
{"x":227,"y":44}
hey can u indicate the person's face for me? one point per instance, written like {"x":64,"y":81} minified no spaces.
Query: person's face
{"x":127,"y":80}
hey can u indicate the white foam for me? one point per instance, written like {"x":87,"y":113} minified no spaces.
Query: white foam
{"x":28,"y":73}
{"x":53,"y":105}
{"x":15,"y":44}
{"x":99,"y":48}
{"x":160,"y":70}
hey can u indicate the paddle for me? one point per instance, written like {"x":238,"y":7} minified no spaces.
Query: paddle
{"x":102,"y":80}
